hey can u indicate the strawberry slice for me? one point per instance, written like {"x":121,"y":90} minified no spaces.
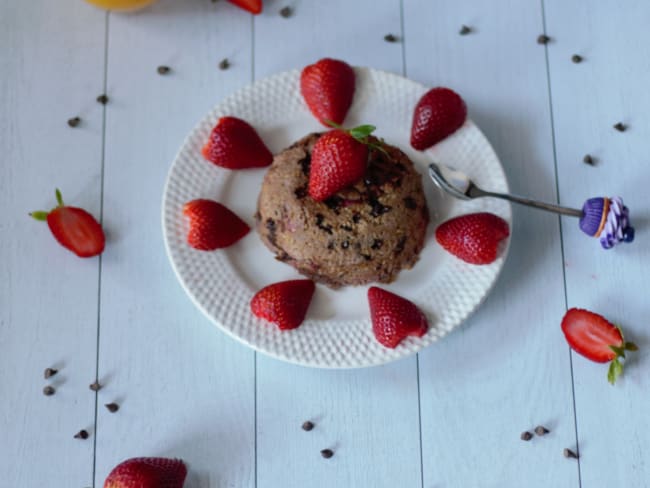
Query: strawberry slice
{"x":74,"y":228}
{"x":253,"y":6}
{"x":594,"y":337}
{"x":234,"y":144}
{"x":439,"y":113}
{"x":147,"y":473}
{"x":285,"y":303}
{"x":394,"y":318}
{"x":474,"y":238}
{"x":212,"y":225}
{"x":327,"y":87}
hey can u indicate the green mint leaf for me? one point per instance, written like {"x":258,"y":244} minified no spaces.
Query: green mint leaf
{"x":615,"y":370}
{"x":618,"y":350}
{"x":362,"y":131}
{"x":631,"y":346}
{"x":39,"y":215}
{"x":59,"y":198}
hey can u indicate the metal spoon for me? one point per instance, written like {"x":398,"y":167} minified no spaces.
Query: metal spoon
{"x":459,"y":185}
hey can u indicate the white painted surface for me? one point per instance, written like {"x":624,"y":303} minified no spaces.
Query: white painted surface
{"x":186,"y":389}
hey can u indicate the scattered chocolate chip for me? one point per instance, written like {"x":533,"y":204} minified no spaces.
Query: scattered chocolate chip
{"x":224,"y":64}
{"x":95,"y":386}
{"x":378,"y":208}
{"x":49,"y":372}
{"x":82,"y":434}
{"x":576,"y":58}
{"x":319,"y":223}
{"x":346,"y":227}
{"x":345,"y":245}
{"x":270,"y":225}
{"x":410,"y":203}
{"x":103,"y":99}
{"x":367,"y":257}
{"x":540,"y":430}
{"x":286,"y":12}
{"x":112,"y":407}
{"x":620,"y":126}
{"x":300,"y":192}
{"x":305,"y":163}
{"x":400,"y":245}
{"x":163,"y":70}
{"x":307,"y":426}
{"x":588,"y":159}
{"x":48,"y":390}
{"x":356,"y":218}
{"x":526,"y":436}
{"x":391,"y":38}
{"x":568,"y":453}
{"x":543,"y":39}
{"x":376,"y":244}
{"x":330,"y":245}
{"x":327,"y":453}
{"x":334,"y":203}
{"x":464,"y":30}
{"x":74,"y":121}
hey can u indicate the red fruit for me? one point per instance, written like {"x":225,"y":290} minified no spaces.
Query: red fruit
{"x":594,"y":337}
{"x":234,"y":144}
{"x":474,"y":238}
{"x":212,"y":225}
{"x":147,"y":473}
{"x":253,"y":6}
{"x":439,"y":113}
{"x":337,"y":160}
{"x":328,"y":88}
{"x":394,"y":318}
{"x":74,"y":228}
{"x":284,"y":303}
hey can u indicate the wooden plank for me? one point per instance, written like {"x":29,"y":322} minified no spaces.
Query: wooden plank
{"x":185,"y":389}
{"x":48,"y":296}
{"x":609,"y":86}
{"x":507,"y":369}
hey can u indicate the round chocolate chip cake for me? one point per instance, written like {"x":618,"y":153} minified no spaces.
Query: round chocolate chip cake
{"x":365,"y":233}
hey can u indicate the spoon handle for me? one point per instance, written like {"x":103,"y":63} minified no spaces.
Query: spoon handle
{"x":475,"y":191}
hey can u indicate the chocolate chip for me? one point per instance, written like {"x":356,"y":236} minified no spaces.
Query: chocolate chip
{"x":330,"y":245}
{"x":391,"y":38}
{"x":543,"y":39}
{"x":526,"y":436}
{"x":74,"y":121}
{"x":319,"y":219}
{"x":286,"y":12}
{"x":376,"y":244}
{"x":346,"y":227}
{"x":224,"y":64}
{"x":378,"y":208}
{"x":95,"y":386}
{"x":270,"y":225}
{"x":588,"y":159}
{"x":307,"y":425}
{"x":112,"y":407}
{"x":367,"y":257}
{"x":334,"y":202}
{"x":620,"y":126}
{"x":300,"y":192}
{"x":464,"y":30}
{"x":410,"y":203}
{"x":568,"y":453}
{"x":540,"y":430}
{"x":576,"y":58}
{"x":103,"y":99}
{"x":82,"y":434}
{"x":48,"y":390}
{"x":345,"y":245}
{"x":356,"y":217}
{"x":327,"y":453}
{"x":400,"y":245}
{"x":49,"y":372}
{"x":163,"y":70}
{"x":305,"y":163}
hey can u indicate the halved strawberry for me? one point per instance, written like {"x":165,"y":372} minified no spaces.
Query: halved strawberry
{"x":328,"y":88}
{"x":394,"y":318}
{"x":74,"y":228}
{"x":212,"y":225}
{"x":474,"y":238}
{"x":594,"y":337}
{"x":147,"y":473}
{"x":253,"y":6}
{"x":234,"y":144}
{"x":439,"y":113}
{"x":285,"y":303}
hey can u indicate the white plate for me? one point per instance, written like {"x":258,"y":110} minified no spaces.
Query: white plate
{"x":337,"y":332}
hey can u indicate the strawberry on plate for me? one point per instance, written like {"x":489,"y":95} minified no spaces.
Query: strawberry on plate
{"x":328,"y":88}
{"x":212,"y":225}
{"x":474,"y":238}
{"x":147,"y":473}
{"x":285,"y":303}
{"x":439,"y":113}
{"x":394,"y":318}
{"x":253,"y":6}
{"x":338,"y":159}
{"x":594,"y":337}
{"x":234,"y":144}
{"x":74,"y":228}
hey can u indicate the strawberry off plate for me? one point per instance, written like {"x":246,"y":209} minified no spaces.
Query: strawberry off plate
{"x":337,"y":332}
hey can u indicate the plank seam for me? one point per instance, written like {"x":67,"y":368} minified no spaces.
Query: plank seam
{"x":254,"y":352}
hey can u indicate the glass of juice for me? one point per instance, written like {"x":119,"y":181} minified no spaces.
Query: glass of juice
{"x":121,"y":5}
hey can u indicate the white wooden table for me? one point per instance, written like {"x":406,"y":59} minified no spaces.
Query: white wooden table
{"x":450,"y":417}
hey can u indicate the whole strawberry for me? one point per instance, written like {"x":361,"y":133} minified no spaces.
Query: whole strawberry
{"x":439,"y":113}
{"x":234,"y":144}
{"x":212,"y":225}
{"x":594,"y":337}
{"x":474,"y":238}
{"x":328,"y":88}
{"x":147,"y":473}
{"x":285,"y":303}
{"x":338,"y":159}
{"x":74,"y":228}
{"x":394,"y":318}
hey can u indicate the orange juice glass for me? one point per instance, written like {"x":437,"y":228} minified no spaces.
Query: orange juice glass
{"x":121,"y":5}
